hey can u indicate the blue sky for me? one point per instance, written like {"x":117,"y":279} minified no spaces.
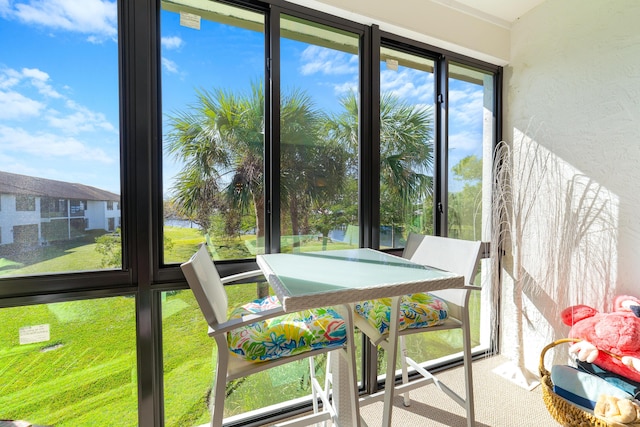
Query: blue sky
{"x":59,"y":114}
{"x":59,"y":91}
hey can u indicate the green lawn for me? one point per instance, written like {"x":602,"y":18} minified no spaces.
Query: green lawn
{"x":85,"y":372}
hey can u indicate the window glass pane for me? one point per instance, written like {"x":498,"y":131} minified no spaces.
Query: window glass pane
{"x":471,"y":138}
{"x":471,"y":132}
{"x":70,"y":363}
{"x":406,"y":146}
{"x":213,"y":129}
{"x":189,"y":356}
{"x":319,"y":137}
{"x":59,"y":138}
{"x":406,"y":162}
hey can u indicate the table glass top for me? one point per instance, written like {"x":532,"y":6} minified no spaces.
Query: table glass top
{"x":307,"y":273}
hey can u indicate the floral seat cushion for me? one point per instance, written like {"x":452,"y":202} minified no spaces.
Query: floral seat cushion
{"x":286,"y":335}
{"x":416,"y":311}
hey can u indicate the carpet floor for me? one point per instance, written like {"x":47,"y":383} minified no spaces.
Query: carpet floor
{"x":498,"y":402}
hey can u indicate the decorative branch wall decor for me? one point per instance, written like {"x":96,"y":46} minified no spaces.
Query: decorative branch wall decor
{"x":553,"y":245}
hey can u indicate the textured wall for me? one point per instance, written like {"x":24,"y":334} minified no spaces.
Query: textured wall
{"x":572,"y":115}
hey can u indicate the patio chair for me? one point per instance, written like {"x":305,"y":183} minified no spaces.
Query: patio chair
{"x":435,"y":311}
{"x":259,"y":335}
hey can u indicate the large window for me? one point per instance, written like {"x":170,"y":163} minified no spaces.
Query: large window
{"x":471,"y":134}
{"x":213,"y":99}
{"x":407,"y":146}
{"x":319,"y":137}
{"x":59,"y":134}
{"x":436,"y":182}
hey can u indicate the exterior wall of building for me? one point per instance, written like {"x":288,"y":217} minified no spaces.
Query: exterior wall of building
{"x":95,"y":213}
{"x":115,"y":215}
{"x":12,"y":222}
{"x":10,"y":217}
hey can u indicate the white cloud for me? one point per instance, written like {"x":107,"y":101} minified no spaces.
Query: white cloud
{"x":316,"y":59}
{"x":174,"y":42}
{"x":49,"y":145}
{"x":9,"y":78}
{"x":14,"y":105}
{"x":19,"y":93}
{"x":79,"y":119}
{"x":96,"y":18}
{"x":5,"y":7}
{"x":35,"y":74}
{"x":38,"y":80}
{"x":408,"y":83}
{"x":169,"y":65}
{"x":346,"y":87}
{"x":465,"y":107}
{"x":465,"y":121}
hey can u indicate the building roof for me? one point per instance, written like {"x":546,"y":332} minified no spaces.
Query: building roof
{"x":11,"y":183}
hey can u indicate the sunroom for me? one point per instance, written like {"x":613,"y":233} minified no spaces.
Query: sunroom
{"x":304,"y":126}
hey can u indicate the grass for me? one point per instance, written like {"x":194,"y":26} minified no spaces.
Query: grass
{"x":85,"y":375}
{"x":90,"y":357}
{"x":65,"y":256}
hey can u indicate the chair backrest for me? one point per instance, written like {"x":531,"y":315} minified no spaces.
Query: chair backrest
{"x":454,"y":255}
{"x":204,"y":281}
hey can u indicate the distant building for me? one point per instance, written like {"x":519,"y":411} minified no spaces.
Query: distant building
{"x":36,"y":211}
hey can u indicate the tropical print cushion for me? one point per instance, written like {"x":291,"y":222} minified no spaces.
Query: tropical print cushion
{"x":416,"y":311}
{"x":286,"y":335}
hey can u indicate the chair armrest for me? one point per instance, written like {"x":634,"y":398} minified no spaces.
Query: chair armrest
{"x":457,"y":298}
{"x":232,"y":324}
{"x":241,"y":276}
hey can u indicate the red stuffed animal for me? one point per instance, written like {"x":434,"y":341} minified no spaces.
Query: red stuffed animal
{"x":617,"y":332}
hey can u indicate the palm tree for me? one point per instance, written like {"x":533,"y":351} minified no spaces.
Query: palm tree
{"x":300,"y":156}
{"x":220,"y":143}
{"x":406,"y":152}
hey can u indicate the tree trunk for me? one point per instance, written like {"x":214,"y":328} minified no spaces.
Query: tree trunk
{"x":258,"y":203}
{"x":293,"y":211}
{"x":295,"y":225}
{"x":262,"y":288}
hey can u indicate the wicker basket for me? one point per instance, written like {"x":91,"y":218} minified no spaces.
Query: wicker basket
{"x":562,"y":410}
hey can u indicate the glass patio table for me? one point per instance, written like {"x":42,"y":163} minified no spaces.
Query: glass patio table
{"x":340,"y":278}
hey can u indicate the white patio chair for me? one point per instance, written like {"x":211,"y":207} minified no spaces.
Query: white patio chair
{"x":244,"y":342}
{"x":453,"y":255}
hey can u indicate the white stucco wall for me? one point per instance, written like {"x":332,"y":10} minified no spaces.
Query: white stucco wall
{"x":572,"y":102}
{"x":95,"y":213}
{"x":10,"y":217}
